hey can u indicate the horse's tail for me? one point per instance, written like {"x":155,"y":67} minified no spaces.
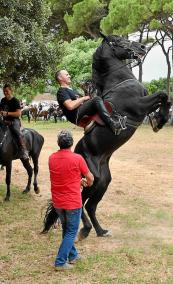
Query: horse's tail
{"x":50,"y":218}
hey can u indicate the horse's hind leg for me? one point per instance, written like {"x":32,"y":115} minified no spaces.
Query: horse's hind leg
{"x":91,"y":207}
{"x":8,"y":180}
{"x":35,"y":162}
{"x":99,"y":191}
{"x":29,"y":170}
{"x":87,"y":226}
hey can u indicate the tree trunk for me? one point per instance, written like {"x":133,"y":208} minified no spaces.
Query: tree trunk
{"x":166,"y":53}
{"x":140,"y":73}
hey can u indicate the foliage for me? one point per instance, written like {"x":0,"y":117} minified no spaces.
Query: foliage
{"x":157,"y":85}
{"x":152,"y":13}
{"x":29,"y":91}
{"x":56,"y":23}
{"x":85,"y":18}
{"x":77,"y":17}
{"x":26,"y":48}
{"x":77,"y":58}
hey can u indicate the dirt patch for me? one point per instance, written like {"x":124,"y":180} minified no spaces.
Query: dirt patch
{"x":137,"y":207}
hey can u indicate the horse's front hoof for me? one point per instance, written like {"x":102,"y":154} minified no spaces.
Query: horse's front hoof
{"x":163,"y":95}
{"x":156,"y":129}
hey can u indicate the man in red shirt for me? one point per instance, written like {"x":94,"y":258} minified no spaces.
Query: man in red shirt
{"x":66,"y":172}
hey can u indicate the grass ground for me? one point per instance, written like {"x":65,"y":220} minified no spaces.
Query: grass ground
{"x":138,"y":208}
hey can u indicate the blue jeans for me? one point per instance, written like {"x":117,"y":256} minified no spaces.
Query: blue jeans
{"x":70,"y":220}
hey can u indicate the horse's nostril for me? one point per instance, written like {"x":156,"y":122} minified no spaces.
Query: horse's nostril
{"x":143,"y":46}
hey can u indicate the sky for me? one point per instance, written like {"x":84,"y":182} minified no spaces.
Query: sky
{"x":154,"y":66}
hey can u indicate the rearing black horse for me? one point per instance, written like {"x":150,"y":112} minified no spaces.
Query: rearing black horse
{"x":117,"y":85}
{"x":9,"y":151}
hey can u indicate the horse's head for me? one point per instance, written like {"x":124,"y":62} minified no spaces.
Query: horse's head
{"x":123,"y":48}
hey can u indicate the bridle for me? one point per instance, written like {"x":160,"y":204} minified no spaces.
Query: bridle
{"x":134,"y":56}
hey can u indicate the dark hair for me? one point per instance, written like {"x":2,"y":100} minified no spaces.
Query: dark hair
{"x":65,"y":139}
{"x":7,"y":86}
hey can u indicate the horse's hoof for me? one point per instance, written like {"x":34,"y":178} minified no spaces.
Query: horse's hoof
{"x":37,"y":190}
{"x":107,"y":234}
{"x":155,"y":129}
{"x":44,"y":232}
{"x":83,"y":234}
{"x":25,"y":191}
{"x":104,"y":234}
{"x":79,"y":238}
{"x":7,"y":199}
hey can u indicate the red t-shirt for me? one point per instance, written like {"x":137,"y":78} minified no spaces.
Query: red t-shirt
{"x":66,"y":169}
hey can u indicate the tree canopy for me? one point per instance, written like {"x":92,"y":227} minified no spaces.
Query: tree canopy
{"x":26,"y":47}
{"x":77,"y":58}
{"x":85,"y":18}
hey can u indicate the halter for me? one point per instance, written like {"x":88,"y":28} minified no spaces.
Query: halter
{"x":112,"y":45}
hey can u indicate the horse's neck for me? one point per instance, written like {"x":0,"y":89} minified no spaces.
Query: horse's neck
{"x":116,"y":77}
{"x":5,"y":136}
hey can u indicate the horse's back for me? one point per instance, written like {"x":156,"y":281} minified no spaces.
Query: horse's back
{"x":34,"y":140}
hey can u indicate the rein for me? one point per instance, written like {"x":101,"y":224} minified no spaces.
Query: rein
{"x":138,"y":61}
{"x":3,"y":139}
{"x":115,"y":86}
{"x":5,"y":134}
{"x":129,"y":121}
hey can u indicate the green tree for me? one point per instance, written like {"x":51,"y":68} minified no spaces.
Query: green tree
{"x":29,"y":91}
{"x":26,"y":49}
{"x":143,"y":17}
{"x":85,"y":18}
{"x":77,"y":17}
{"x":76,"y":57}
{"x":156,"y":85}
{"x":57,"y":24}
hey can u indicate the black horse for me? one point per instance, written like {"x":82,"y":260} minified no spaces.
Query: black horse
{"x":126,"y":96}
{"x":9,"y":151}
